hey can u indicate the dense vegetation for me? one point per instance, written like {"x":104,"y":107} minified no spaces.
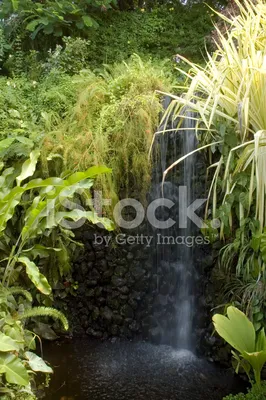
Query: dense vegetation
{"x":79,"y":99}
{"x":229,"y":98}
{"x":64,"y":110}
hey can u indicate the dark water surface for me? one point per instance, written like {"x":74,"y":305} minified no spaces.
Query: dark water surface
{"x":91,"y":370}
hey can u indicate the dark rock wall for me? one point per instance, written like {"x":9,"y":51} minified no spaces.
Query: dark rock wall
{"x":113,"y":287}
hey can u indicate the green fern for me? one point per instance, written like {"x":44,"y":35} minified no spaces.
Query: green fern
{"x":19,"y":291}
{"x":45,"y":312}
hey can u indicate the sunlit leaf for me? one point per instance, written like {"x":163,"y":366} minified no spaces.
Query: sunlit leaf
{"x":14,"y":370}
{"x":35,"y":276}
{"x":37,"y":364}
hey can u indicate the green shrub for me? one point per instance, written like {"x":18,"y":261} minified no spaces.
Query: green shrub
{"x":112,"y":123}
{"x":160,"y":33}
{"x":69,"y":58}
{"x":25,"y":103}
{"x":254,"y":393}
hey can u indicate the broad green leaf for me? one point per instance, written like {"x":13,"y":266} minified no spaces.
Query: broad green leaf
{"x":236,"y":329}
{"x":48,"y":29}
{"x":263,"y":246}
{"x":25,"y":140}
{"x":29,"y":166}
{"x":255,"y":242}
{"x":14,"y":370}
{"x":6,"y":143}
{"x":8,"y":205}
{"x":14,"y":332}
{"x":32,"y":25}
{"x":45,"y":331}
{"x":92,"y":172}
{"x":261,"y":341}
{"x":37,"y":364}
{"x":29,"y":338}
{"x":7,"y":343}
{"x":40,"y":251}
{"x":87,"y":21}
{"x":77,"y":215}
{"x":34,"y":215}
{"x":49,"y":182}
{"x":35,"y":276}
{"x":15,"y":4}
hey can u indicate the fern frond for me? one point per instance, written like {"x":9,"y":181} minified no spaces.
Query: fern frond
{"x":18,"y":290}
{"x":45,"y":312}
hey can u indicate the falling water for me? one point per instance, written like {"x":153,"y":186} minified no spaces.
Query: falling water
{"x":185,"y":298}
{"x":175,"y":261}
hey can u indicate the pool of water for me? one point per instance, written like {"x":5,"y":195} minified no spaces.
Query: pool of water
{"x":91,"y":370}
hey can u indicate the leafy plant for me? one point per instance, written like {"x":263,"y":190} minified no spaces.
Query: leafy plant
{"x":18,"y":363}
{"x":44,"y":200}
{"x":255,"y":393}
{"x":70,"y":58}
{"x":237,"y":330}
{"x":227,"y":96}
{"x":52,"y":17}
{"x":31,"y":209}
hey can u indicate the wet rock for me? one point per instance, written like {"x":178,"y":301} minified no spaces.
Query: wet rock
{"x":98,"y":291}
{"x":95,"y":313}
{"x":90,"y":293}
{"x":124,"y":290}
{"x":134,"y":326}
{"x":130,"y":256}
{"x":94,"y":333}
{"x":106,"y":313}
{"x":113,"y":303}
{"x":114,"y":330}
{"x":116,"y":281}
{"x":90,"y":256}
{"x":133,"y":304}
{"x":137,"y":272}
{"x":155,"y":334}
{"x":127,"y":311}
{"x":99,"y":255}
{"x":118,"y":319}
{"x":120,"y":271}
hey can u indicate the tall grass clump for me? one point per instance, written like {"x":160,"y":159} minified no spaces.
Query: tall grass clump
{"x":112,"y":123}
{"x":229,"y":98}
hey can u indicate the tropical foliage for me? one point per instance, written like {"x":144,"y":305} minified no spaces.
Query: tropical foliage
{"x":228,"y":98}
{"x":240,"y":333}
{"x":51,"y":17}
{"x":75,"y":96}
{"x":31,"y":210}
{"x":31,"y":29}
{"x":255,"y":393}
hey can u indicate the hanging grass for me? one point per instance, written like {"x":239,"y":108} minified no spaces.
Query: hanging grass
{"x":112,"y":123}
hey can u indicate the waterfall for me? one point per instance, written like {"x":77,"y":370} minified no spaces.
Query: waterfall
{"x":173,"y":262}
{"x":185,"y":265}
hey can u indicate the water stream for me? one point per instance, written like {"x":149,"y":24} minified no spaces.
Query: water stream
{"x":185,"y":298}
{"x":174,"y":254}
